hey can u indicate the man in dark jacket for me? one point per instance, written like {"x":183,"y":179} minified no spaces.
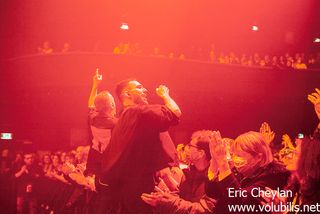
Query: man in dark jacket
{"x":135,"y":151}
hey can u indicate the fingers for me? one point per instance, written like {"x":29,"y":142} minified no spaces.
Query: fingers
{"x":314,"y":97}
{"x":157,"y":189}
{"x":265,"y":128}
{"x":268,"y":129}
{"x":151,"y":199}
{"x":147,"y":198}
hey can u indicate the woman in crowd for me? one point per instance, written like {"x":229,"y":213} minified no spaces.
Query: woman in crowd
{"x":254,"y":169}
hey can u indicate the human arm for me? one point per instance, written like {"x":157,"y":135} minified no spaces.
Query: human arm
{"x":287,"y":142}
{"x":219,"y":156}
{"x":163,"y":93}
{"x":22,"y":171}
{"x":314,"y":98}
{"x":97,"y":78}
{"x":171,"y":203}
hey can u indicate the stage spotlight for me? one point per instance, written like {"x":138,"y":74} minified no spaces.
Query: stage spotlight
{"x":316,"y":40}
{"x":124,"y":26}
{"x":254,"y":28}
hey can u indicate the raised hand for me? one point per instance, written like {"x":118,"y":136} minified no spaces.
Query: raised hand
{"x":314,"y":98}
{"x":267,"y":133}
{"x":24,"y":169}
{"x":162,"y":91}
{"x":218,"y":150}
{"x":97,"y":78}
{"x":287,"y":142}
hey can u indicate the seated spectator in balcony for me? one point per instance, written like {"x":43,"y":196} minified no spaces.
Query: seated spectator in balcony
{"x":65,"y":48}
{"x":233,"y":59}
{"x":171,"y":55}
{"x":182,"y":57}
{"x":221,"y":58}
{"x":275,"y":63}
{"x":299,"y":64}
{"x":136,"y":49}
{"x":267,"y":60}
{"x":282,"y":62}
{"x":118,"y":49}
{"x":256,"y":59}
{"x":45,"y":48}
{"x":156,"y":53}
{"x":311,"y":63}
{"x":212,"y":56}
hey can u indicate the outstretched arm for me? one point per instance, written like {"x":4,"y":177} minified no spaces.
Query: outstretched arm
{"x":314,"y":98}
{"x":163,"y":92}
{"x":97,"y":78}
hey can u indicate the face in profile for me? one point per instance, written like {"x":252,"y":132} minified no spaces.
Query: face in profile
{"x":137,"y":93}
{"x":112,"y":106}
{"x":192,"y":153}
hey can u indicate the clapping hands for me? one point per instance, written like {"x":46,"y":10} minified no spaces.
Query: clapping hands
{"x":267,"y":133}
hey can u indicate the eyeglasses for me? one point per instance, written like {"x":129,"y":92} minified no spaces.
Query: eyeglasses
{"x":194,"y":146}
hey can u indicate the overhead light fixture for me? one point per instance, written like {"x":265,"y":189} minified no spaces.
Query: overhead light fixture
{"x":254,"y":28}
{"x":124,"y":26}
{"x":316,"y":40}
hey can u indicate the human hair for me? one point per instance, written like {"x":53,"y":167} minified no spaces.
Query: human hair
{"x":201,"y":139}
{"x":102,"y":101}
{"x":254,"y":144}
{"x":309,"y":159}
{"x":121,"y":86}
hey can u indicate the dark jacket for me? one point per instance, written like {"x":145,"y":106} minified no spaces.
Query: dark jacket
{"x":274,"y":176}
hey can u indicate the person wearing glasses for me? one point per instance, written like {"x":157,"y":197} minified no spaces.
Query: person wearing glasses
{"x":186,"y":194}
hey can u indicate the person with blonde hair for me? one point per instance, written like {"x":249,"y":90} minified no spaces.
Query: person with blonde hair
{"x":250,"y":151}
{"x":254,"y":170}
{"x":102,"y":119}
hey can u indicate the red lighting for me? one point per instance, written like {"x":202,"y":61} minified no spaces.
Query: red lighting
{"x":316,"y":40}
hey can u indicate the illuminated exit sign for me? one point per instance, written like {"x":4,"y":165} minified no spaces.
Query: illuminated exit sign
{"x":6,"y":136}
